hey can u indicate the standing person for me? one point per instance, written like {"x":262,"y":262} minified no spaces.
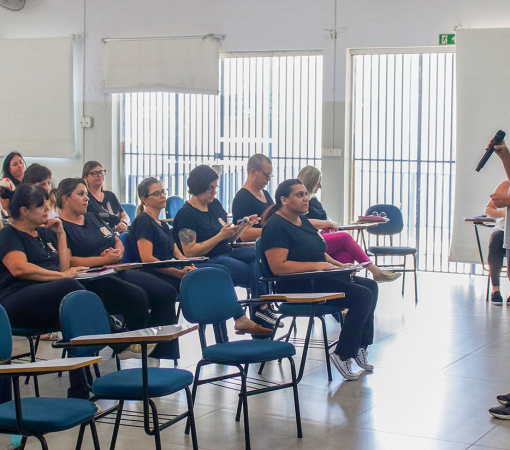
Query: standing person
{"x":130,"y":292}
{"x":152,"y":240}
{"x":292,"y":245}
{"x":340,"y":245}
{"x":13,"y":170}
{"x":496,"y":249}
{"x":104,"y":203}
{"x":203,"y":230}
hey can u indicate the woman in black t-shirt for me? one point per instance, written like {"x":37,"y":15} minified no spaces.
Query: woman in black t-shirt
{"x":292,"y":245}
{"x":130,"y":292}
{"x":104,"y":203}
{"x":35,"y":272}
{"x":152,"y":240}
{"x":203,"y":230}
{"x":341,"y":245}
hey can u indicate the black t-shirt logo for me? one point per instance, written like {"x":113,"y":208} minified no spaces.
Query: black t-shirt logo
{"x":106,"y":232}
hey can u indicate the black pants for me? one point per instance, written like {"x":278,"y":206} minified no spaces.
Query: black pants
{"x":38,"y":305}
{"x":361,"y":300}
{"x":496,"y":255}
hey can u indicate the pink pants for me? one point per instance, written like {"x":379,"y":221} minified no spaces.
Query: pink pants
{"x":343,"y":248}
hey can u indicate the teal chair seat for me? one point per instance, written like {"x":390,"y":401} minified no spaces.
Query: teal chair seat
{"x":244,"y":352}
{"x":127,"y":384}
{"x":47,"y":415}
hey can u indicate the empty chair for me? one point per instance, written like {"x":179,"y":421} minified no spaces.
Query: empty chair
{"x":130,"y":210}
{"x":394,"y":226}
{"x":173,"y":204}
{"x":37,"y":416}
{"x":209,"y":298}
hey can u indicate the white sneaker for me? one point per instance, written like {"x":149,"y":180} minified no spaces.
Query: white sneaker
{"x":362,"y":360}
{"x":344,"y":367}
{"x":153,"y":362}
{"x":135,"y":351}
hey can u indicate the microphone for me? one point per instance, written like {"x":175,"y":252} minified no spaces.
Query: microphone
{"x":500,"y":135}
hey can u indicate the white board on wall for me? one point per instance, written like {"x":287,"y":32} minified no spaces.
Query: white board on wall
{"x":36,"y":97}
{"x":483,"y":108}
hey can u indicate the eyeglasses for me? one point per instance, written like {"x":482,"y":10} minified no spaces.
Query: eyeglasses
{"x":267,"y":175}
{"x":97,"y":173}
{"x":158,"y":193}
{"x":213,"y":188}
{"x":383,"y":214}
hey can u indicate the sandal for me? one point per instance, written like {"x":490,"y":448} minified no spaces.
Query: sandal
{"x":255,"y":329}
{"x":50,"y":337}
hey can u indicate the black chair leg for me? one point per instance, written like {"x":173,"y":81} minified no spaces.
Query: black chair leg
{"x":415,"y":282}
{"x":245,"y":407}
{"x":326,"y":346}
{"x":155,"y":421}
{"x":118,"y":417}
{"x":194,"y":393}
{"x":296,"y":397}
{"x":95,"y":439}
{"x":240,"y":402}
{"x":33,"y":351}
{"x":79,"y":441}
{"x":44,"y":444}
{"x":191,"y":418}
{"x":305,"y":347}
{"x":64,"y":352}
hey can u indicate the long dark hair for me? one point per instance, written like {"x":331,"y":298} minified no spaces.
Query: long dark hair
{"x":65,"y":188}
{"x":7,"y":167}
{"x":284,"y":189}
{"x":25,"y":195}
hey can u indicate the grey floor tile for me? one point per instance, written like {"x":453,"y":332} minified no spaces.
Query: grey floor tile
{"x":498,"y":437}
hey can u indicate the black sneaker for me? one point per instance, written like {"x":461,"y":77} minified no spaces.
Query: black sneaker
{"x":501,"y":412}
{"x":503,"y":399}
{"x":496,"y":297}
{"x":268,"y":316}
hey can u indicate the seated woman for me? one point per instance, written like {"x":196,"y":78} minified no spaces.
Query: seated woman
{"x":496,"y":250}
{"x":292,"y":245}
{"x":340,"y":245}
{"x":152,"y":240}
{"x":104,"y":203}
{"x":13,"y":170}
{"x":41,"y":176}
{"x":132,"y":292}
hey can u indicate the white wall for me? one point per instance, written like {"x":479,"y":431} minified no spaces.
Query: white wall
{"x":261,"y":25}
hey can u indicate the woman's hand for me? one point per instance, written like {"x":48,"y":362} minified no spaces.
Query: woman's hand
{"x":332,"y":226}
{"x":500,"y":149}
{"x":181,"y":272}
{"x":111,"y":256}
{"x":121,"y":227}
{"x":73,"y":271}
{"x":55,"y":225}
{"x":325,"y":266}
{"x":228,"y":231}
{"x":249,"y":221}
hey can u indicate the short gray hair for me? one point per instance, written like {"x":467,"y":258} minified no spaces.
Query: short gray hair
{"x":256,"y":161}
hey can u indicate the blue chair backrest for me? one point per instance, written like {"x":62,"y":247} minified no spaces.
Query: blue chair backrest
{"x":82,"y":313}
{"x":208,"y":296}
{"x":128,"y":256}
{"x":130,"y":210}
{"x":173,"y":204}
{"x":395,"y":224}
{"x":5,"y":335}
{"x":265,"y":270}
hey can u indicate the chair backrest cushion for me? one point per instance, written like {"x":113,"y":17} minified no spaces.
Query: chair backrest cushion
{"x":173,"y":204}
{"x":128,"y":256}
{"x":208,"y":296}
{"x":82,"y":313}
{"x":265,"y":270}
{"x":394,"y":226}
{"x":130,"y":210}
{"x":5,"y":335}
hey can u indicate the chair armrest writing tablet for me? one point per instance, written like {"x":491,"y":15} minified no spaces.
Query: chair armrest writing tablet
{"x":53,"y":365}
{"x":146,"y":335}
{"x":303,"y":298}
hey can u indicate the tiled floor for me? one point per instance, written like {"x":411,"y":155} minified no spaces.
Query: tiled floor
{"x":438,"y":368}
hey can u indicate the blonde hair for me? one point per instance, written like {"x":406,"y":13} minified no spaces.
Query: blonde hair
{"x":310,"y":177}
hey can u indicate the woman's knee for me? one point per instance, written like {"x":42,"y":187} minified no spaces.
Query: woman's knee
{"x":68,"y":285}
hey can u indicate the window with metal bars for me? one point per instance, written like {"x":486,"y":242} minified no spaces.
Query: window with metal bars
{"x":403,"y":144}
{"x":267,"y":104}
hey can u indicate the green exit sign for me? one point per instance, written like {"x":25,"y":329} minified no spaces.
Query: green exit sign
{"x":447,"y":39}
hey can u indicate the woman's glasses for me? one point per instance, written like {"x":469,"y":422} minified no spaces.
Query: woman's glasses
{"x":97,"y":173}
{"x":212,"y":189}
{"x":158,"y":193}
